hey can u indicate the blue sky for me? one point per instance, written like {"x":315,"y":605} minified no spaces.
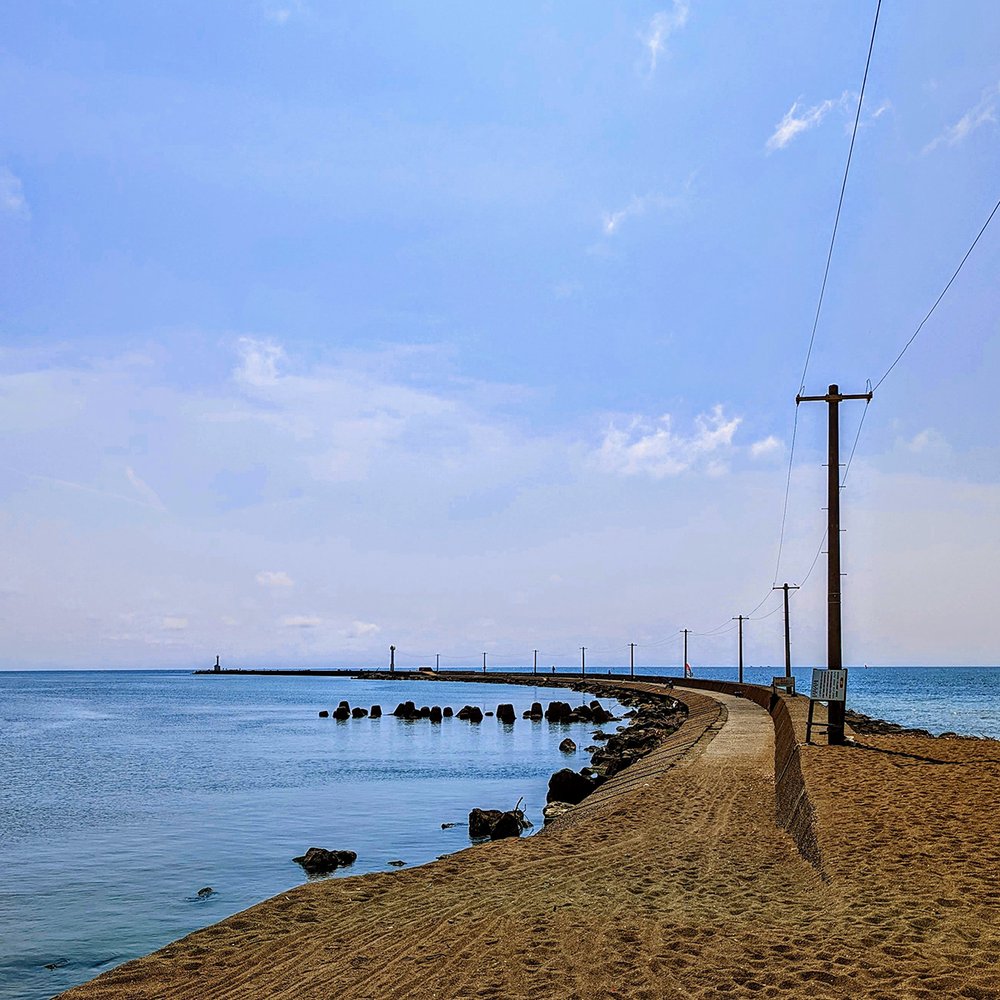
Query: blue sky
{"x":467,"y":326}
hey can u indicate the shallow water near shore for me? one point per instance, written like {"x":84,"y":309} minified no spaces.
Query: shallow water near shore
{"x":124,"y":793}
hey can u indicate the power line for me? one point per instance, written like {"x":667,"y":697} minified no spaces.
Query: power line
{"x":854,"y":447}
{"x":788,"y":485}
{"x":941,"y":296}
{"x":840,"y":203}
{"x":822,"y":289}
{"x":815,"y":560}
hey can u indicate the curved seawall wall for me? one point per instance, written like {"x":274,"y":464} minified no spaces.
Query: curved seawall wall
{"x":793,"y":810}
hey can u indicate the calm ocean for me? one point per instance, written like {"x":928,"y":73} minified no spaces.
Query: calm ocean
{"x":124,"y":793}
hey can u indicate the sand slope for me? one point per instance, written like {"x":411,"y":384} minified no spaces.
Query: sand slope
{"x":672,"y":881}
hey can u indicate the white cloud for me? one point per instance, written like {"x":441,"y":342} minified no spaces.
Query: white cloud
{"x":654,"y":448}
{"x":173,"y":623}
{"x":926,"y":440}
{"x":982,"y":113}
{"x":274,"y":578}
{"x":145,"y":491}
{"x":281,"y":12}
{"x":361,"y":630}
{"x":301,"y":621}
{"x":661,"y":26}
{"x":258,"y":362}
{"x":766,"y":446}
{"x":797,"y":121}
{"x":12,"y":200}
{"x":638,"y":206}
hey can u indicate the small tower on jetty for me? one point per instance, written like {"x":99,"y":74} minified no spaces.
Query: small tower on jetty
{"x":217,"y":668}
{"x":392,"y":659}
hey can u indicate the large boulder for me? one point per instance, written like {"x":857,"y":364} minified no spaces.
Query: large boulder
{"x":505,"y":713}
{"x":376,"y":712}
{"x":324,"y":714}
{"x":482,"y":821}
{"x":470,"y":713}
{"x":569,"y":786}
{"x":447,"y":713}
{"x":567,"y":746}
{"x":342,"y":712}
{"x":510,"y":824}
{"x":359,"y":713}
{"x":535,"y":712}
{"x":435,"y":714}
{"x":558,"y":711}
{"x":318,"y":860}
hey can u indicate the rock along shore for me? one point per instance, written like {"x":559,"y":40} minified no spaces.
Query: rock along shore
{"x":688,"y":874}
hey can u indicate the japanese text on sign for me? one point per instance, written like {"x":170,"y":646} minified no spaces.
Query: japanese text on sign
{"x":829,"y":685}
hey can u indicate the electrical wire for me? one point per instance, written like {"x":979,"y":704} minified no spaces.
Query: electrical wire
{"x":784,"y":508}
{"x":815,"y":559}
{"x":857,"y":436}
{"x":940,"y":297}
{"x":840,"y":203}
{"x":822,"y":290}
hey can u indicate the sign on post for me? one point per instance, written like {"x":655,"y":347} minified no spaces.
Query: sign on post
{"x":827,"y":685}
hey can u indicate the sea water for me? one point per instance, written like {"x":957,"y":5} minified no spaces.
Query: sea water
{"x":939,"y":699}
{"x":124,"y":793}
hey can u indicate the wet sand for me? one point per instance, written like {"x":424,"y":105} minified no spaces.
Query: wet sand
{"x":872,"y":872}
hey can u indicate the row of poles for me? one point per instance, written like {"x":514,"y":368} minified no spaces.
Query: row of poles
{"x":835,"y":732}
{"x":631,"y":647}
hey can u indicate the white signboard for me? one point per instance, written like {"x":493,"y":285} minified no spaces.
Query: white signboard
{"x":829,"y":685}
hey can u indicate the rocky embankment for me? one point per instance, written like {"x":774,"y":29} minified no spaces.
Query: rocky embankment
{"x":653,"y":719}
{"x":867,"y":726}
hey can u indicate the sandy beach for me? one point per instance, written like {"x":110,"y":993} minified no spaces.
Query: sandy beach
{"x":731,"y":862}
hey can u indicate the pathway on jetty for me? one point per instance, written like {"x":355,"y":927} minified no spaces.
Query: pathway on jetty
{"x":673,"y":880}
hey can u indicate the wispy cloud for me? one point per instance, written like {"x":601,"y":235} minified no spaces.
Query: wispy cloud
{"x":146,"y":492}
{"x":12,"y":200}
{"x":661,"y":26}
{"x":301,"y":621}
{"x":798,"y":119}
{"x":274,"y":578}
{"x":638,"y":206}
{"x":654,"y":448}
{"x":884,"y":106}
{"x":927,"y":440}
{"x":259,"y":361}
{"x":362,"y":630}
{"x":766,"y":446}
{"x":174,"y":623}
{"x":281,"y":13}
{"x":983,"y":112}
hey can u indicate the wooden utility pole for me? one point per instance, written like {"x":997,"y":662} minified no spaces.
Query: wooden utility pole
{"x":741,"y":619}
{"x":631,"y":659}
{"x":788,"y":640}
{"x":834,"y":640}
{"x":583,"y":661}
{"x":534,"y":669}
